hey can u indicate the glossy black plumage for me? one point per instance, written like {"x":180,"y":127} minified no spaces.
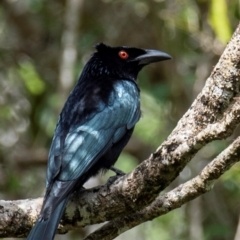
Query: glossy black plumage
{"x":95,"y":124}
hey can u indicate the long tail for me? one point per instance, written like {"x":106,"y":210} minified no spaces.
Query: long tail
{"x":45,"y":229}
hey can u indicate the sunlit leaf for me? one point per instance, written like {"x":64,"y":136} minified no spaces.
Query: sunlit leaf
{"x":32,"y":80}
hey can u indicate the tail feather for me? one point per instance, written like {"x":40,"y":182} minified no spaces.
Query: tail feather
{"x":45,"y":229}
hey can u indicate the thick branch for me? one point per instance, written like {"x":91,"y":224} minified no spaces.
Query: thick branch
{"x":174,"y":199}
{"x":213,"y":115}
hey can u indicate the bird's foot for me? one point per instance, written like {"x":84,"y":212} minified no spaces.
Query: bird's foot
{"x":112,"y":179}
{"x":118,"y":172}
{"x":81,"y":189}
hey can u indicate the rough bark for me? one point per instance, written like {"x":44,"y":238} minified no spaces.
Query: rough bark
{"x":182,"y":194}
{"x":132,"y":199}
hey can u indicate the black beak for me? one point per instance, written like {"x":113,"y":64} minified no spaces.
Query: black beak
{"x":152,"y":56}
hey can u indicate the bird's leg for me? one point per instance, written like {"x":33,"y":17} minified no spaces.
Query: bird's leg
{"x":117,"y":171}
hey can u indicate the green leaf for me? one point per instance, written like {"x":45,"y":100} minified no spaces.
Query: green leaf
{"x":32,"y":80}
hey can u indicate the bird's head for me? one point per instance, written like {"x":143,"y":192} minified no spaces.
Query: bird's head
{"x":123,"y":62}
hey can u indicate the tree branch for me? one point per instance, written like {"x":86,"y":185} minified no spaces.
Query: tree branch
{"x":182,"y":194}
{"x":214,"y":115}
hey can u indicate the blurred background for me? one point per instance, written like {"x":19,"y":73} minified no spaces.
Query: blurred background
{"x":43,"y":48}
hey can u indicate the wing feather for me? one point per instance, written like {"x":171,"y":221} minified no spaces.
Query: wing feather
{"x":85,"y":143}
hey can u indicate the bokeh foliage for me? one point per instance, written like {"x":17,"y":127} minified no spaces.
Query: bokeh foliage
{"x":34,"y":35}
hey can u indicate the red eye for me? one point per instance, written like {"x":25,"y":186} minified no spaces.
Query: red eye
{"x":122,"y":54}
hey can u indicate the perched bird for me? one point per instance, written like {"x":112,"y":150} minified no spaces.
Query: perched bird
{"x":95,"y":124}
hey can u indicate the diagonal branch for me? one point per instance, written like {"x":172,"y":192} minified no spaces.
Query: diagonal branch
{"x":214,"y":115}
{"x":182,"y":194}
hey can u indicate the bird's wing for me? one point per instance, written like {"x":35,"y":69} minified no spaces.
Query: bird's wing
{"x":75,"y":150}
{"x":73,"y":153}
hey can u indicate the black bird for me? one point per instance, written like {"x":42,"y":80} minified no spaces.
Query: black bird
{"x":95,"y":124}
